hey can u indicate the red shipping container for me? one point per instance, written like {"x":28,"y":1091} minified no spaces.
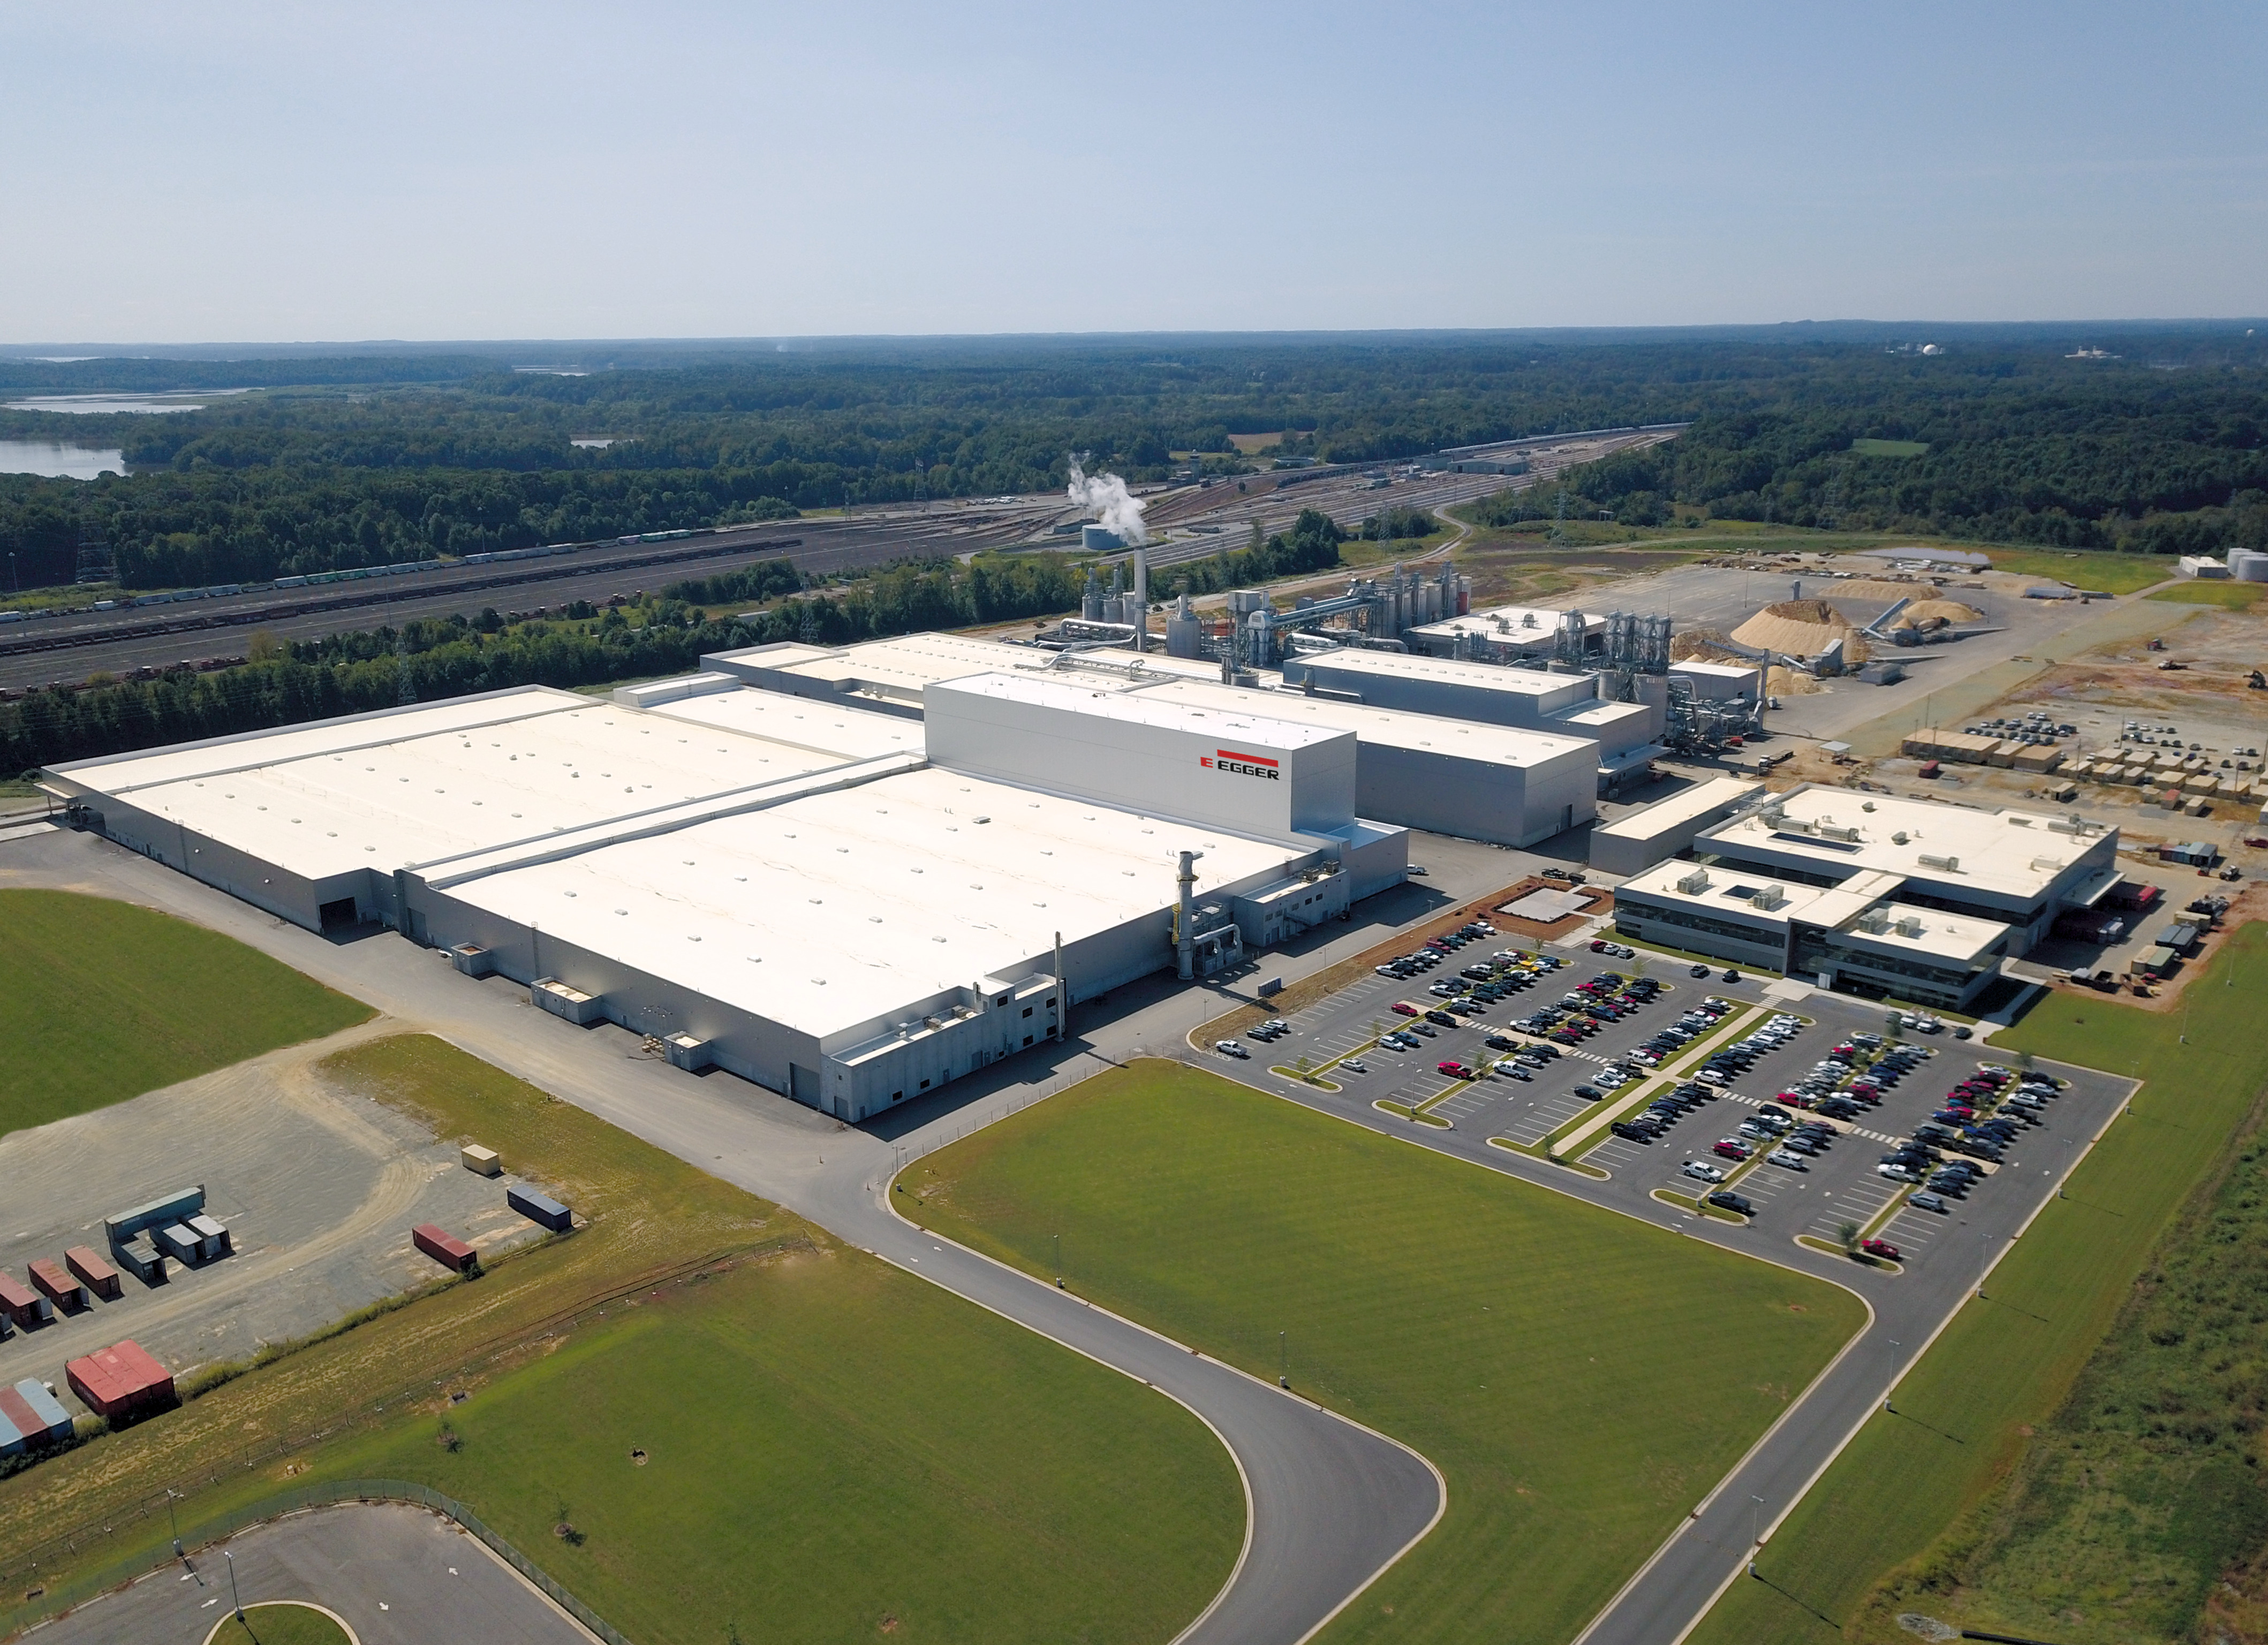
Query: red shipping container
{"x":94,"y":1274}
{"x":121,"y":1379}
{"x":21,"y":1303}
{"x":444,"y":1248}
{"x":61,"y":1286}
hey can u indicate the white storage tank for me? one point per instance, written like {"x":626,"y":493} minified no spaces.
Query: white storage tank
{"x":2248,"y":565}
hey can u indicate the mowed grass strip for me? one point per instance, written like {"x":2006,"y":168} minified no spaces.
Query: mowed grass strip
{"x":107,"y":1000}
{"x":834,"y":1449}
{"x":1581,"y":1379}
{"x":2009,"y":1360}
{"x":280,"y":1624}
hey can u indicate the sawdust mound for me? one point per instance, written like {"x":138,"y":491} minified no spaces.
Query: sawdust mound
{"x":1787,"y":683}
{"x":1701,"y":644}
{"x":1802,"y":628}
{"x":1936,"y":614}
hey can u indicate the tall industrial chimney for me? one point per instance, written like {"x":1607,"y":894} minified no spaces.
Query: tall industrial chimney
{"x":1141,"y":598}
{"x":1185,"y":915}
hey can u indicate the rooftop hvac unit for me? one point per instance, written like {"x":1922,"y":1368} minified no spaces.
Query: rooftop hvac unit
{"x":1900,"y":837}
{"x":2047,"y":865}
{"x":1694,"y":883}
{"x":1873,"y":922}
{"x":1910,"y":926}
{"x":1929,"y":861}
{"x":1837,"y":830}
{"x":1770,"y":898}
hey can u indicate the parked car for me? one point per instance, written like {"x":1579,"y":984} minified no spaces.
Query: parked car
{"x":1725,"y":1200}
{"x":1788,"y":1160}
{"x":1926,"y":1202}
{"x":1701,"y":1171}
{"x":1881,"y":1248}
{"x":1402,"y":1007}
{"x":1230,"y":1048}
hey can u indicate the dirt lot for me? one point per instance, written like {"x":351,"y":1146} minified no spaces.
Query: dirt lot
{"x":318,"y":1188}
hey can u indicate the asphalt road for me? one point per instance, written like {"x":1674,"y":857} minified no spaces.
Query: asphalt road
{"x":1946,"y":1257}
{"x":398,"y":1575}
{"x":1330,"y":1506}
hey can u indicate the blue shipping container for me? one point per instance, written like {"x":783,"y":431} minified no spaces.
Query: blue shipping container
{"x":540,"y":1208}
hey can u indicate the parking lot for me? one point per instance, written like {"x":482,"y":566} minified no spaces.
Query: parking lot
{"x":1831,"y":1178}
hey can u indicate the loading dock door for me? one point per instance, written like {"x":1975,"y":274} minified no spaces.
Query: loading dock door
{"x":339,"y":914}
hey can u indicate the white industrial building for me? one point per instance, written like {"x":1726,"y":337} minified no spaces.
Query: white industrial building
{"x":1626,"y":734}
{"x":1874,"y":893}
{"x":1475,"y":778}
{"x":805,"y":895}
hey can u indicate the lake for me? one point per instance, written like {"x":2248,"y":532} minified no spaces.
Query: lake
{"x":57,"y":460}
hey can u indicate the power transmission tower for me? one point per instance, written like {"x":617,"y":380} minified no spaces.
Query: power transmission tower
{"x":1830,"y":505}
{"x":1559,"y":519}
{"x":96,"y":563}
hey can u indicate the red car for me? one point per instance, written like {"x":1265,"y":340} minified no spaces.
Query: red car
{"x":1882,"y":1248}
{"x":1455,"y":1070}
{"x":1402,"y":1007}
{"x":1730,"y":1150}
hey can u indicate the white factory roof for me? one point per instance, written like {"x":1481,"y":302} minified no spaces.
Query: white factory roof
{"x":1702,"y":798}
{"x":855,"y":733}
{"x":1461,"y":738}
{"x":380,"y":791}
{"x":1530,"y":682}
{"x":1729,"y":892}
{"x":2014,"y":853}
{"x":904,"y":667}
{"x":827,"y":910}
{"x":1513,"y":624}
{"x":1248,"y":715}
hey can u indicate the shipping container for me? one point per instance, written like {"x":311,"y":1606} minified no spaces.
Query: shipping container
{"x":21,"y":1303}
{"x":121,"y":1380}
{"x":212,"y":1237}
{"x":177,"y":1242}
{"x":95,"y":1274}
{"x":483,"y":1161}
{"x":540,"y":1208}
{"x":444,"y":1248}
{"x":60,"y":1286}
{"x":37,"y":1416}
{"x":140,"y":1257}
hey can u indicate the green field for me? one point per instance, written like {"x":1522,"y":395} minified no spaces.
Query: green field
{"x":1890,"y":447}
{"x":107,"y":1000}
{"x":2227,"y":597}
{"x":2111,"y":574}
{"x":1881,"y":1532}
{"x":1580,"y":1378}
{"x":280,"y":1625}
{"x":826,"y":1438}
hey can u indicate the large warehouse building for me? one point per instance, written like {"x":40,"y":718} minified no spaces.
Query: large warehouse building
{"x":1479,"y":776}
{"x":838,"y":917}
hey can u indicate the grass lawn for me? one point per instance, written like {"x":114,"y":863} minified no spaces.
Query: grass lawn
{"x":826,"y":1438}
{"x":1873,"y":1526}
{"x":2227,"y":597}
{"x":107,"y":1000}
{"x":2112,"y":574}
{"x":1890,"y":447}
{"x":280,"y":1625}
{"x":1581,"y":1379}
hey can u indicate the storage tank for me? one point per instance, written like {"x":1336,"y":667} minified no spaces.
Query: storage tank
{"x":2248,"y":565}
{"x":1184,"y":633}
{"x":1099,"y":540}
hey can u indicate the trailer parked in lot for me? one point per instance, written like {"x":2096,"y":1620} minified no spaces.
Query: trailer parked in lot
{"x":444,"y":1248}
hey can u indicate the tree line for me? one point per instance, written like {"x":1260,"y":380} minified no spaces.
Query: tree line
{"x":287,"y":682}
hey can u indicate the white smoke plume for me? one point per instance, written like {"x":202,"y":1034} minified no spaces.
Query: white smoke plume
{"x":1107,"y":494}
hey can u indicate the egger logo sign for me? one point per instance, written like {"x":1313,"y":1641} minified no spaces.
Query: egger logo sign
{"x":1241,"y":765}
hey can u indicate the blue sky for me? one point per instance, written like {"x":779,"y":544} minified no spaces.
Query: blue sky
{"x":247,"y":171}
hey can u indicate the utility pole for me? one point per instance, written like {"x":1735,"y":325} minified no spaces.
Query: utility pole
{"x":173,"y":1520}
{"x":1058,"y":1240}
{"x":1284,"y":1344}
{"x":235,"y":1597}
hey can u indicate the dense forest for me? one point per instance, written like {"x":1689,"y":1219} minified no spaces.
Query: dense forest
{"x":366,"y":458}
{"x":285,"y":682}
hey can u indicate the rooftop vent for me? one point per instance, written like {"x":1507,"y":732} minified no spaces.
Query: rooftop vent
{"x":1909,"y":926}
{"x":1837,"y":830}
{"x":1873,"y":922}
{"x":1900,"y":837}
{"x":1770,"y":898}
{"x":1694,"y":883}
{"x":1927,"y":860}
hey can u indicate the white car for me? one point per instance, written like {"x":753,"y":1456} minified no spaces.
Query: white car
{"x":1352,"y":1067}
{"x":1701,"y":1171}
{"x":1709,"y":1076}
{"x":1230,"y":1048}
{"x":1788,"y":1158}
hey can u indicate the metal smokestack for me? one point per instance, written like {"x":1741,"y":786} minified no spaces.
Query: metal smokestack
{"x":1185,"y":914}
{"x":1141,"y":598}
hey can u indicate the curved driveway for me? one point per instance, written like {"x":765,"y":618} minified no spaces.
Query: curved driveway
{"x":1331,"y":1504}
